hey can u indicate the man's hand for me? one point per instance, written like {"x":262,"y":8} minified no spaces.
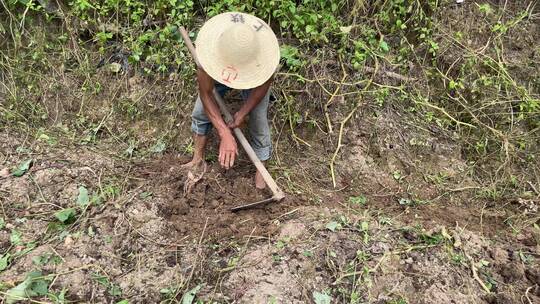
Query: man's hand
{"x":238,"y":120}
{"x":227,"y":150}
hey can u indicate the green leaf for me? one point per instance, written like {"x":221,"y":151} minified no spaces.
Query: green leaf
{"x":357,"y":200}
{"x":384,"y":46}
{"x":4,"y":261}
{"x":483,"y":263}
{"x":23,"y":168}
{"x":22,"y":291}
{"x":58,"y":297}
{"x":146,"y":194}
{"x":44,"y":137}
{"x":123,"y":302}
{"x":18,"y":292}
{"x":15,"y":237}
{"x":39,"y":260}
{"x":321,"y":298}
{"x":292,"y":9}
{"x":83,"y":198}
{"x":2,"y":223}
{"x":159,"y":147}
{"x":103,"y":280}
{"x":364,"y":226}
{"x":114,"y":290}
{"x":333,"y":226}
{"x":485,"y":8}
{"x":65,"y":215}
{"x":190,"y":295}
{"x":39,"y":288}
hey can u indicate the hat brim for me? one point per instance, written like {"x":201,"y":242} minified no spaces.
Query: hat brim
{"x":246,"y":76}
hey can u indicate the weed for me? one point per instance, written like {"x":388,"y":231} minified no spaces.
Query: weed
{"x":485,"y":8}
{"x":458,"y":258}
{"x":280,"y":244}
{"x":321,"y":298}
{"x":333,"y":226}
{"x":291,"y":56}
{"x":34,"y":285}
{"x":439,"y":179}
{"x":397,"y":175}
{"x":398,"y":301}
{"x":46,"y":258}
{"x":358,"y":200}
{"x":310,"y":21}
{"x":189,"y":148}
{"x":385,"y":220}
{"x":58,"y":297}
{"x":112,"y":289}
{"x":364,"y":229}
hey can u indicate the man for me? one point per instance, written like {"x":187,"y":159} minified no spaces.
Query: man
{"x":235,"y":51}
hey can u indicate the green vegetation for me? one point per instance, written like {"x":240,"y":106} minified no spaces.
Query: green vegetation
{"x":481,"y":97}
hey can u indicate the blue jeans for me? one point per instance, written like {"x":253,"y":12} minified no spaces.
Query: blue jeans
{"x":259,"y":129}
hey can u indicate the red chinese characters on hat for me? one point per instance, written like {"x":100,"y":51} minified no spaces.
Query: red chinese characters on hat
{"x":229,"y":74}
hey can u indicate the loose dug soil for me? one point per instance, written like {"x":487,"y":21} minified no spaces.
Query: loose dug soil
{"x":206,"y":205}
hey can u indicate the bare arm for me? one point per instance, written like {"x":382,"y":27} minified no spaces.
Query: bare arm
{"x":227,"y":147}
{"x":255,"y":97}
{"x":206,"y":88}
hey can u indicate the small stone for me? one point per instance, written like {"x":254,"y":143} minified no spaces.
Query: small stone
{"x":68,"y":241}
{"x":214,"y":204}
{"x":4,"y":172}
{"x":135,"y":80}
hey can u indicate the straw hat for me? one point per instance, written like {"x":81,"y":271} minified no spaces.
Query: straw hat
{"x":238,"y":50}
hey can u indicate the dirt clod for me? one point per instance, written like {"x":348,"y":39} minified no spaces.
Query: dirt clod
{"x":512,"y":272}
{"x":499,"y":255}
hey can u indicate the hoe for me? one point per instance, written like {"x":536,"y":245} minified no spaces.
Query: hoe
{"x":277,"y":194}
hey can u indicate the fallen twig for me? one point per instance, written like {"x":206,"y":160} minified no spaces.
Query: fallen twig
{"x":389,"y":74}
{"x":338,"y":146}
{"x":475,"y":274}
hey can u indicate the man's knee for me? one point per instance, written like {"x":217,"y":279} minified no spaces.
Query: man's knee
{"x":260,"y":137}
{"x":200,"y":124}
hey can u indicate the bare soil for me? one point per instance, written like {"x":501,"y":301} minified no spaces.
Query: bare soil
{"x":206,"y":205}
{"x":154,"y":236}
